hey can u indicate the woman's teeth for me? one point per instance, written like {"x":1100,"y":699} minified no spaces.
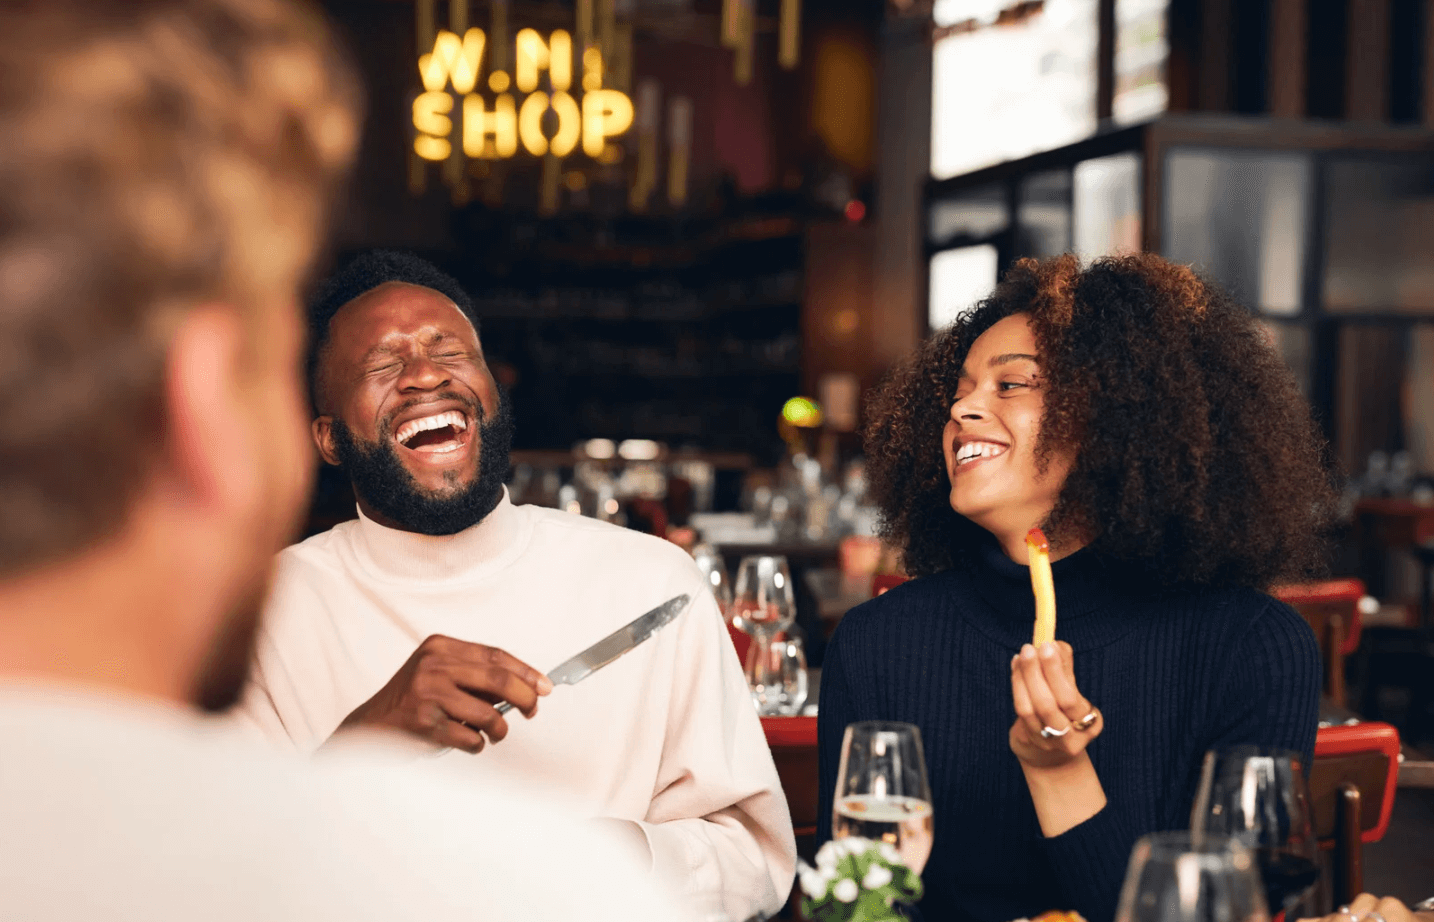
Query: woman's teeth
{"x":974,"y":450}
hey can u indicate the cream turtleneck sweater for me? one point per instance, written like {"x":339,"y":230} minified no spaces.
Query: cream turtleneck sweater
{"x":665,"y":737}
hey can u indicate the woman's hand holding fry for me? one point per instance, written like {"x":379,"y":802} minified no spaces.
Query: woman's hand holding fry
{"x":1043,"y":688}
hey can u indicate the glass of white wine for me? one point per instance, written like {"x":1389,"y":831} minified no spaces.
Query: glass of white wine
{"x":882,"y":793}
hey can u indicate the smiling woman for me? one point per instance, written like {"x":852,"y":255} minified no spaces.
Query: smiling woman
{"x":1140,"y":419}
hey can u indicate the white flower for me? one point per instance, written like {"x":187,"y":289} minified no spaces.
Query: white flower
{"x":845,"y":890}
{"x":855,"y":845}
{"x":814,"y":884}
{"x":828,"y":854}
{"x":889,"y":854}
{"x":877,"y":876}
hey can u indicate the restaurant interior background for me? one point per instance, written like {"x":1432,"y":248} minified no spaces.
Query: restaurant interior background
{"x":699,"y":230}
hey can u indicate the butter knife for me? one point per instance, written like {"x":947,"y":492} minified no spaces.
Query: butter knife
{"x":614,"y":645}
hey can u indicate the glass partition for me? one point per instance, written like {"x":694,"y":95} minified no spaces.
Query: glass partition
{"x":1379,"y":235}
{"x":1240,"y":217}
{"x":1043,"y":214}
{"x":1106,"y":197}
{"x":974,"y":214}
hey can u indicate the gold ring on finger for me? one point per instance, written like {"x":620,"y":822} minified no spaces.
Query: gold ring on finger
{"x":1088,"y":720}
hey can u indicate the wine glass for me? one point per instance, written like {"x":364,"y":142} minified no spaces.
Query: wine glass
{"x":881,"y":791}
{"x":1260,"y":797}
{"x":763,"y":606}
{"x":786,"y":693}
{"x":762,"y":601}
{"x":1187,"y":877}
{"x":709,"y":561}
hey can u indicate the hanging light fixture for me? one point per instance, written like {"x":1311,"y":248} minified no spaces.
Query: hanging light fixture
{"x":679,"y":147}
{"x":738,"y":31}
{"x":789,"y":34}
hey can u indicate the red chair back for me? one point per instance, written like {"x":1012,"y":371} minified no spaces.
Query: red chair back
{"x":1332,"y":610}
{"x":1333,"y":597}
{"x":1352,"y":784}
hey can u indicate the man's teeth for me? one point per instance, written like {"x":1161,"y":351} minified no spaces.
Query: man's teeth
{"x":414,"y":426}
{"x":973,"y":450}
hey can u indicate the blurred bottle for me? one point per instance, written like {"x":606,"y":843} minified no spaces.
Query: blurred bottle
{"x":1375,"y":482}
{"x":1401,"y":475}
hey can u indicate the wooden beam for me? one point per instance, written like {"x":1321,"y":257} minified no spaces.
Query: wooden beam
{"x":1105,"y":62}
{"x":1289,"y":27}
{"x":1367,"y":73}
{"x":1216,"y":28}
{"x":1426,"y":102}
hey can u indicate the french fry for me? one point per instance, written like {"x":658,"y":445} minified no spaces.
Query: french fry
{"x":1044,"y":587}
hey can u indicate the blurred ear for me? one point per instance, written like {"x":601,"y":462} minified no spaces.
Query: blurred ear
{"x":323,"y":432}
{"x":210,"y":447}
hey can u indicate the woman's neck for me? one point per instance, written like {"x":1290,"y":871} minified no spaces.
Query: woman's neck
{"x":1013,"y":545}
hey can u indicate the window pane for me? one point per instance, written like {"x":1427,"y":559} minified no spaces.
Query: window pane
{"x":1107,"y":205}
{"x":1379,"y":232}
{"x":1239,"y":217}
{"x":959,"y":278}
{"x":1141,"y":51}
{"x":1043,"y":214}
{"x":1002,"y":91}
{"x":974,"y":214}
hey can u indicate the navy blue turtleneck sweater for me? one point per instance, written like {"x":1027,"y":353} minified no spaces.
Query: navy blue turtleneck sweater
{"x":1174,"y":672}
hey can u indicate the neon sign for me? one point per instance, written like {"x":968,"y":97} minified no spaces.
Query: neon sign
{"x":494,"y":127}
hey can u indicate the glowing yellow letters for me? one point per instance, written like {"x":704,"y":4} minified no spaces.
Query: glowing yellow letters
{"x":496,"y":132}
{"x":606,"y":113}
{"x":535,"y":55}
{"x":479,"y":124}
{"x":452,"y":60}
{"x":431,"y":119}
{"x":530,"y":124}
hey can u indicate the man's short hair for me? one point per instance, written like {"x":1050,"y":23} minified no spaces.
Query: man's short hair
{"x":363,"y":274}
{"x":155,"y":155}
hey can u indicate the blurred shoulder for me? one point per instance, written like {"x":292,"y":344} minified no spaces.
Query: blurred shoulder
{"x":577,"y":534}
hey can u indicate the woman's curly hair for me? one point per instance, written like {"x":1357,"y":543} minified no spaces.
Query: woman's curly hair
{"x":1196,"y":459}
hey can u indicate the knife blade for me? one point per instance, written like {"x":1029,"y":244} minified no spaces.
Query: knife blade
{"x":574,"y":670}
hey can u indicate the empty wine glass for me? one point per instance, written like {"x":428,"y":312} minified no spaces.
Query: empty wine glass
{"x":882,"y":793}
{"x":786,"y":675}
{"x":709,"y":561}
{"x":1184,"y":877}
{"x":1260,"y":797}
{"x":763,"y":606}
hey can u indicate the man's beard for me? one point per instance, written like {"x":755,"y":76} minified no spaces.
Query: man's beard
{"x":380,"y":479}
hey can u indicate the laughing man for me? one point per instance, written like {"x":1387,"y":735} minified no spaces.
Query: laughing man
{"x":427,"y":611}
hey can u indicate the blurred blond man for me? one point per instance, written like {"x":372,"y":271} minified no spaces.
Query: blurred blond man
{"x":165,"y":171}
